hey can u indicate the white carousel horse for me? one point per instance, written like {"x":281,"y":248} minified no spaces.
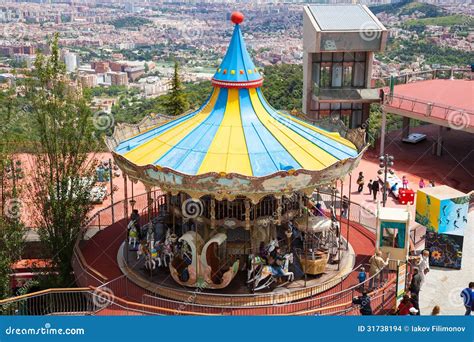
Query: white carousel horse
{"x":271,"y":246}
{"x":150,"y":235}
{"x":255,"y":262}
{"x":165,"y":251}
{"x":132,"y":234}
{"x":271,"y":273}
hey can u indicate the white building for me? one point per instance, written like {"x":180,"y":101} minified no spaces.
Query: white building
{"x":70,"y":59}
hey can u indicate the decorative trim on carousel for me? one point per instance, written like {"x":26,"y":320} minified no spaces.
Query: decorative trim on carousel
{"x":230,"y":84}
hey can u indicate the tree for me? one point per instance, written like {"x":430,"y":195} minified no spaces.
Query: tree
{"x":11,"y":229}
{"x":177,"y":102}
{"x":64,"y":167}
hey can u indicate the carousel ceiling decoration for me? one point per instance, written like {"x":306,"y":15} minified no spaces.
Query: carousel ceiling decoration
{"x":235,"y":144}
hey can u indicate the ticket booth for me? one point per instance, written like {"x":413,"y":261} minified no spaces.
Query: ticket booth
{"x":392,"y":234}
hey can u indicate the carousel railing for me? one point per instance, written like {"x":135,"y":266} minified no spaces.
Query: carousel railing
{"x":49,"y":302}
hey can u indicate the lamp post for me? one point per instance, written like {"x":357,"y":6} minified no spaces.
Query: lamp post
{"x":386,"y":162}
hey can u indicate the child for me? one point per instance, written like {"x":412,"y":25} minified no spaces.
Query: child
{"x":362,"y":277}
{"x":405,"y":182}
{"x":370,"y":187}
{"x":421,"y":183}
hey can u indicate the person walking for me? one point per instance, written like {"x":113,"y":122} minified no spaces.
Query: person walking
{"x":468,"y":298}
{"x":364,"y":302}
{"x":360,"y":182}
{"x":362,"y":276}
{"x":415,"y":284}
{"x":375,"y":189}
{"x":345,"y":206}
{"x":370,"y":186}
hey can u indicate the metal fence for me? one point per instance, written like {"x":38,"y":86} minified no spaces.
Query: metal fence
{"x":462,"y":73}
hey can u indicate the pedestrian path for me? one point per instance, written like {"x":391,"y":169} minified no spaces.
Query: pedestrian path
{"x":443,"y":286}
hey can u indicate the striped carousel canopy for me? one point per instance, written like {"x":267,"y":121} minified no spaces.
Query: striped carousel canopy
{"x":236,"y":130}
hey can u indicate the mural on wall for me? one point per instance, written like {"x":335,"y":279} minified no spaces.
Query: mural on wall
{"x":445,"y":250}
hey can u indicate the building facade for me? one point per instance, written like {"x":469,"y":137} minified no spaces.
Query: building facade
{"x":339,"y":42}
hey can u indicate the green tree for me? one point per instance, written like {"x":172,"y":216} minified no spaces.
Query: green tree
{"x":64,"y":168}
{"x":283,"y":86}
{"x":177,"y":102}
{"x":11,"y":229}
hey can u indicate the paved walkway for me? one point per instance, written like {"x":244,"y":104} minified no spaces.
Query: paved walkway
{"x":443,"y":286}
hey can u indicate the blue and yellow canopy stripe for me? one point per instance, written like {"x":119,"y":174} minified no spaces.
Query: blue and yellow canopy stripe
{"x":237,"y":131}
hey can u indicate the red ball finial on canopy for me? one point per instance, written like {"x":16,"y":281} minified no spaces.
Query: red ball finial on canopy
{"x":236,"y":17}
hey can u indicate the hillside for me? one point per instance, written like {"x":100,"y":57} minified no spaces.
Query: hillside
{"x":449,"y":20}
{"x":410,"y":7}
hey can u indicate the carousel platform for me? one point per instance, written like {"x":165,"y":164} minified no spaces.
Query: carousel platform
{"x":101,"y":250}
{"x":160,"y":283}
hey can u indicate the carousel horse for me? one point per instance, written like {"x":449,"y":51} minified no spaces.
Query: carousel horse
{"x":149,"y":254}
{"x":254,"y":263}
{"x":141,"y":249}
{"x":271,"y":246}
{"x":132,"y":234}
{"x":168,"y":250}
{"x":165,"y":250}
{"x":150,"y":235}
{"x":270,"y":273}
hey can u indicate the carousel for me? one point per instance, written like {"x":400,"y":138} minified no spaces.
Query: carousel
{"x":239,"y":178}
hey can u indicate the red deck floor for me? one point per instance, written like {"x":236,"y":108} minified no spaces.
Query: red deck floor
{"x":100,"y":253}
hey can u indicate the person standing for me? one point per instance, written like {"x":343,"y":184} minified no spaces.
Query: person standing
{"x":415,"y":284}
{"x":376,"y":265}
{"x":421,"y":183}
{"x":405,"y":182}
{"x":436,"y":310}
{"x":360,"y":182}
{"x":423,"y":265}
{"x":370,"y":186}
{"x":416,"y":304}
{"x":404,"y":306}
{"x":375,"y":189}
{"x":468,"y":298}
{"x":364,"y":302}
